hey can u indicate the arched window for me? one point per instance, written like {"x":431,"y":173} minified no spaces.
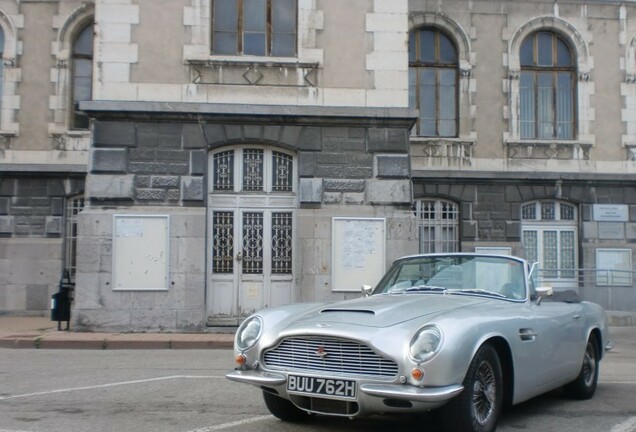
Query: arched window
{"x":433,"y":65}
{"x":438,"y":222}
{"x":82,"y":86}
{"x":549,"y":235}
{"x":547,"y":87}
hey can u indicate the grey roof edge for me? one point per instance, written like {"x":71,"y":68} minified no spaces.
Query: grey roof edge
{"x":189,"y":110}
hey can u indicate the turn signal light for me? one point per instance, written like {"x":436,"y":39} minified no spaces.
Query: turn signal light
{"x":417,"y":374}
{"x":240,"y":360}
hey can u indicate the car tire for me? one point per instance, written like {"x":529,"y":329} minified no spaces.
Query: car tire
{"x":584,"y":386}
{"x":282,"y":408}
{"x":478,"y":407}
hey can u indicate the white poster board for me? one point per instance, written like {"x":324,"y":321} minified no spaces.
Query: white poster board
{"x":140,"y":252}
{"x":358,"y":252}
{"x":614,"y":267}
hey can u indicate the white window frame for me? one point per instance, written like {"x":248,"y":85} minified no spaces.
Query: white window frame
{"x":437,"y":224}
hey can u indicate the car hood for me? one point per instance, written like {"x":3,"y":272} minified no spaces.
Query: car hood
{"x":387,"y":309}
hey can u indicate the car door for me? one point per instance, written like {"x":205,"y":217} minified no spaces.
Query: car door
{"x":560,"y":341}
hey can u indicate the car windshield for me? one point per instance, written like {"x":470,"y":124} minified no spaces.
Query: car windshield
{"x":490,"y":275}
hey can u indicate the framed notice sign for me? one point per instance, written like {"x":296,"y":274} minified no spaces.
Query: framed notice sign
{"x":358,"y":252}
{"x":140,"y":252}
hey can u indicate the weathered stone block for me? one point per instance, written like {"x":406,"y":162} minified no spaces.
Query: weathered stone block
{"x":392,"y":192}
{"x":193,"y":136}
{"x":311,"y":139}
{"x":306,"y":164}
{"x":6,"y":224}
{"x":151,"y":194}
{"x":348,"y":185}
{"x":164,"y":181}
{"x":109,"y":133}
{"x":393,"y":166}
{"x":291,"y":135}
{"x":191,"y":188}
{"x":513,"y":230}
{"x":387,"y":140}
{"x":4,"y":206}
{"x":469,"y":229}
{"x":310,"y":190}
{"x":198,"y":162}
{"x":110,"y":186}
{"x":53,"y":225}
{"x":109,"y":160}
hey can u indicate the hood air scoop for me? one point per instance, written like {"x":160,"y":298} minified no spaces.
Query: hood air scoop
{"x":362,"y":311}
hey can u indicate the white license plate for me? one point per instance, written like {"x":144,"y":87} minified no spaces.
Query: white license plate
{"x":322,"y":386}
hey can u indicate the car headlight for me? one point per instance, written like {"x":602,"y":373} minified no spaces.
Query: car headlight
{"x":426,"y":343}
{"x":249,"y":332}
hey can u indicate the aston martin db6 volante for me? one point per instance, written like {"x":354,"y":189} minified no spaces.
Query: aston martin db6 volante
{"x":467,"y":334}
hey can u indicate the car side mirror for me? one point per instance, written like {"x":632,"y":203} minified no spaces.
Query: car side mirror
{"x":544,"y":291}
{"x":366,"y":290}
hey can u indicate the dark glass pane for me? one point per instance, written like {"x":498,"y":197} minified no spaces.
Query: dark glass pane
{"x":565,"y":106}
{"x":254,"y":44}
{"x":82,"y":68}
{"x":447,"y":103}
{"x":225,"y":15}
{"x":526,"y":57}
{"x":527,"y":105}
{"x":284,"y":16}
{"x":412,"y":47}
{"x":427,"y":46}
{"x":545,"y":49}
{"x":82,"y":89}
{"x":224,"y":43}
{"x":412,"y":88}
{"x":564,"y":57}
{"x":284,"y":45}
{"x":1,"y":41}
{"x":545,"y":105}
{"x":254,"y":15}
{"x":447,"y":52}
{"x":427,"y":76}
{"x":84,"y":43}
{"x":80,"y":120}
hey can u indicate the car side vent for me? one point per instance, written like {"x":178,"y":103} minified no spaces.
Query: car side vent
{"x":364,"y":311}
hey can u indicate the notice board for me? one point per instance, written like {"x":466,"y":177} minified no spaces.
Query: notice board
{"x":358,"y":252}
{"x":140,"y":252}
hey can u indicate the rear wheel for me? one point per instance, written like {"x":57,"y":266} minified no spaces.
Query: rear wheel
{"x":478,"y":407}
{"x":282,"y":408}
{"x":584,"y":386}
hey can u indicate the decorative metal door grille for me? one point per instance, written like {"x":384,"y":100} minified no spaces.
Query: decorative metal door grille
{"x":223,"y":242}
{"x":282,"y":243}
{"x":282,"y":172}
{"x":224,"y":171}
{"x":253,"y":169}
{"x":252,"y":243}
{"x":74,"y":205}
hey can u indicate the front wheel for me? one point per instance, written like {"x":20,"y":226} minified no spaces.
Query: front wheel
{"x":478,"y":407}
{"x":584,"y":386}
{"x":282,"y":408}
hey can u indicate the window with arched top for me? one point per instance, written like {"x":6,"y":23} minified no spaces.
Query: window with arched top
{"x":433,"y":75}
{"x":82,"y":78}
{"x":550,"y":237}
{"x":547,"y":88}
{"x":438,"y":222}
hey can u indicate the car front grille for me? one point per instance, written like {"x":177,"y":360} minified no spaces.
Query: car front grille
{"x":328,"y":355}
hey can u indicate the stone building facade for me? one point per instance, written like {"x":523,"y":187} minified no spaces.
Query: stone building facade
{"x":220,"y":157}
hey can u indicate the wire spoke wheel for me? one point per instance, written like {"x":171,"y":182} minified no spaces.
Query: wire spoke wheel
{"x":589,"y":365}
{"x":484,"y":393}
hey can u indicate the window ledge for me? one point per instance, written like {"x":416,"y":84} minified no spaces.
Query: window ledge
{"x":251,"y":61}
{"x":442,"y":140}
{"x":535,"y":142}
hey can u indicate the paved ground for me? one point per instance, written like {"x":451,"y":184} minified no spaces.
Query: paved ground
{"x":41,"y":332}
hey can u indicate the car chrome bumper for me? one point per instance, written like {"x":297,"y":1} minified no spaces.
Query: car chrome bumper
{"x":434,"y":395}
{"x":410,"y":393}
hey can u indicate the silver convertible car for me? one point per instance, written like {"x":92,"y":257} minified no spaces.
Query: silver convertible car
{"x":466,"y":333}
